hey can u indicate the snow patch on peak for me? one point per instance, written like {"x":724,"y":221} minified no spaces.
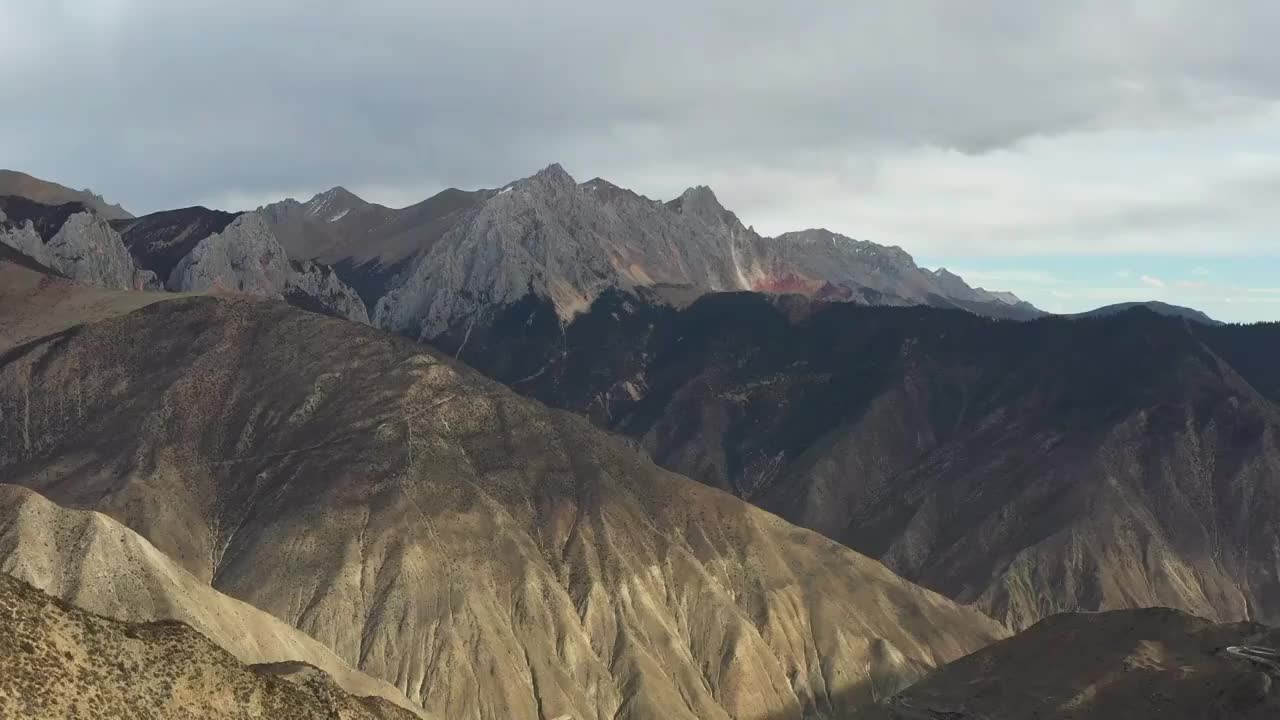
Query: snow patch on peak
{"x":340,"y":215}
{"x":330,"y":201}
{"x":551,"y":179}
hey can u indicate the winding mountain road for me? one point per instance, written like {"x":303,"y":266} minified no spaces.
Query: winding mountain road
{"x":1266,"y":657}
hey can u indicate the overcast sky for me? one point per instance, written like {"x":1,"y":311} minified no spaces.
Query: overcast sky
{"x":1077,"y":152}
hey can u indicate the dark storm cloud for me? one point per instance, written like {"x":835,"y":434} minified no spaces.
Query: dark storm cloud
{"x":164,"y":102}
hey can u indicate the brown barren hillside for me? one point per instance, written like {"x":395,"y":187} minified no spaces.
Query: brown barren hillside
{"x":21,"y":184}
{"x":1152,"y":663}
{"x":95,"y":563}
{"x":488,"y":556}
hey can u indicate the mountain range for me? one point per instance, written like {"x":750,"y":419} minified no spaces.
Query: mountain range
{"x":452,"y":261}
{"x":749,"y":477}
{"x":489,"y":557}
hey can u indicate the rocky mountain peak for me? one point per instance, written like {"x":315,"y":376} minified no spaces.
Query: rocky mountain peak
{"x":333,"y":204}
{"x":606,"y":192}
{"x":698,"y":200}
{"x":552,"y":176}
{"x":599,"y":183}
{"x":552,"y":180}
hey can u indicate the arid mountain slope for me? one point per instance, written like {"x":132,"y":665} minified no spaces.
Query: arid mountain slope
{"x":57,"y":661}
{"x":1030,"y":468}
{"x":98,"y":565}
{"x":1154,"y":663}
{"x":21,"y":184}
{"x":491,"y":558}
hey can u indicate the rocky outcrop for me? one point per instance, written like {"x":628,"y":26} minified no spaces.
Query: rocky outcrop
{"x":72,"y":240}
{"x":159,"y":241}
{"x":22,"y":236}
{"x":86,"y":248}
{"x":490,"y":557}
{"x":243,"y":257}
{"x":201,"y":250}
{"x":540,"y":236}
{"x":549,"y":237}
{"x":318,"y":288}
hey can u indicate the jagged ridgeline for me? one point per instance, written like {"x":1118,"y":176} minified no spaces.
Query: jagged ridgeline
{"x":449,"y":263}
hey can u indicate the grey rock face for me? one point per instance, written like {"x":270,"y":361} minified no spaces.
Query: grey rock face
{"x":198,"y":249}
{"x":83,"y":247}
{"x":317,"y":287}
{"x":245,"y":258}
{"x":955,"y":287}
{"x":22,"y":236}
{"x":548,"y":236}
{"x":840,"y":265}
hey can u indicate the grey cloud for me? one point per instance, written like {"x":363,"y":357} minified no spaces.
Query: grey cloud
{"x":161,"y":103}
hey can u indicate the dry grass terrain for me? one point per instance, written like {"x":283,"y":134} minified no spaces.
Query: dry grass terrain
{"x":38,"y":304}
{"x":57,"y":661}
